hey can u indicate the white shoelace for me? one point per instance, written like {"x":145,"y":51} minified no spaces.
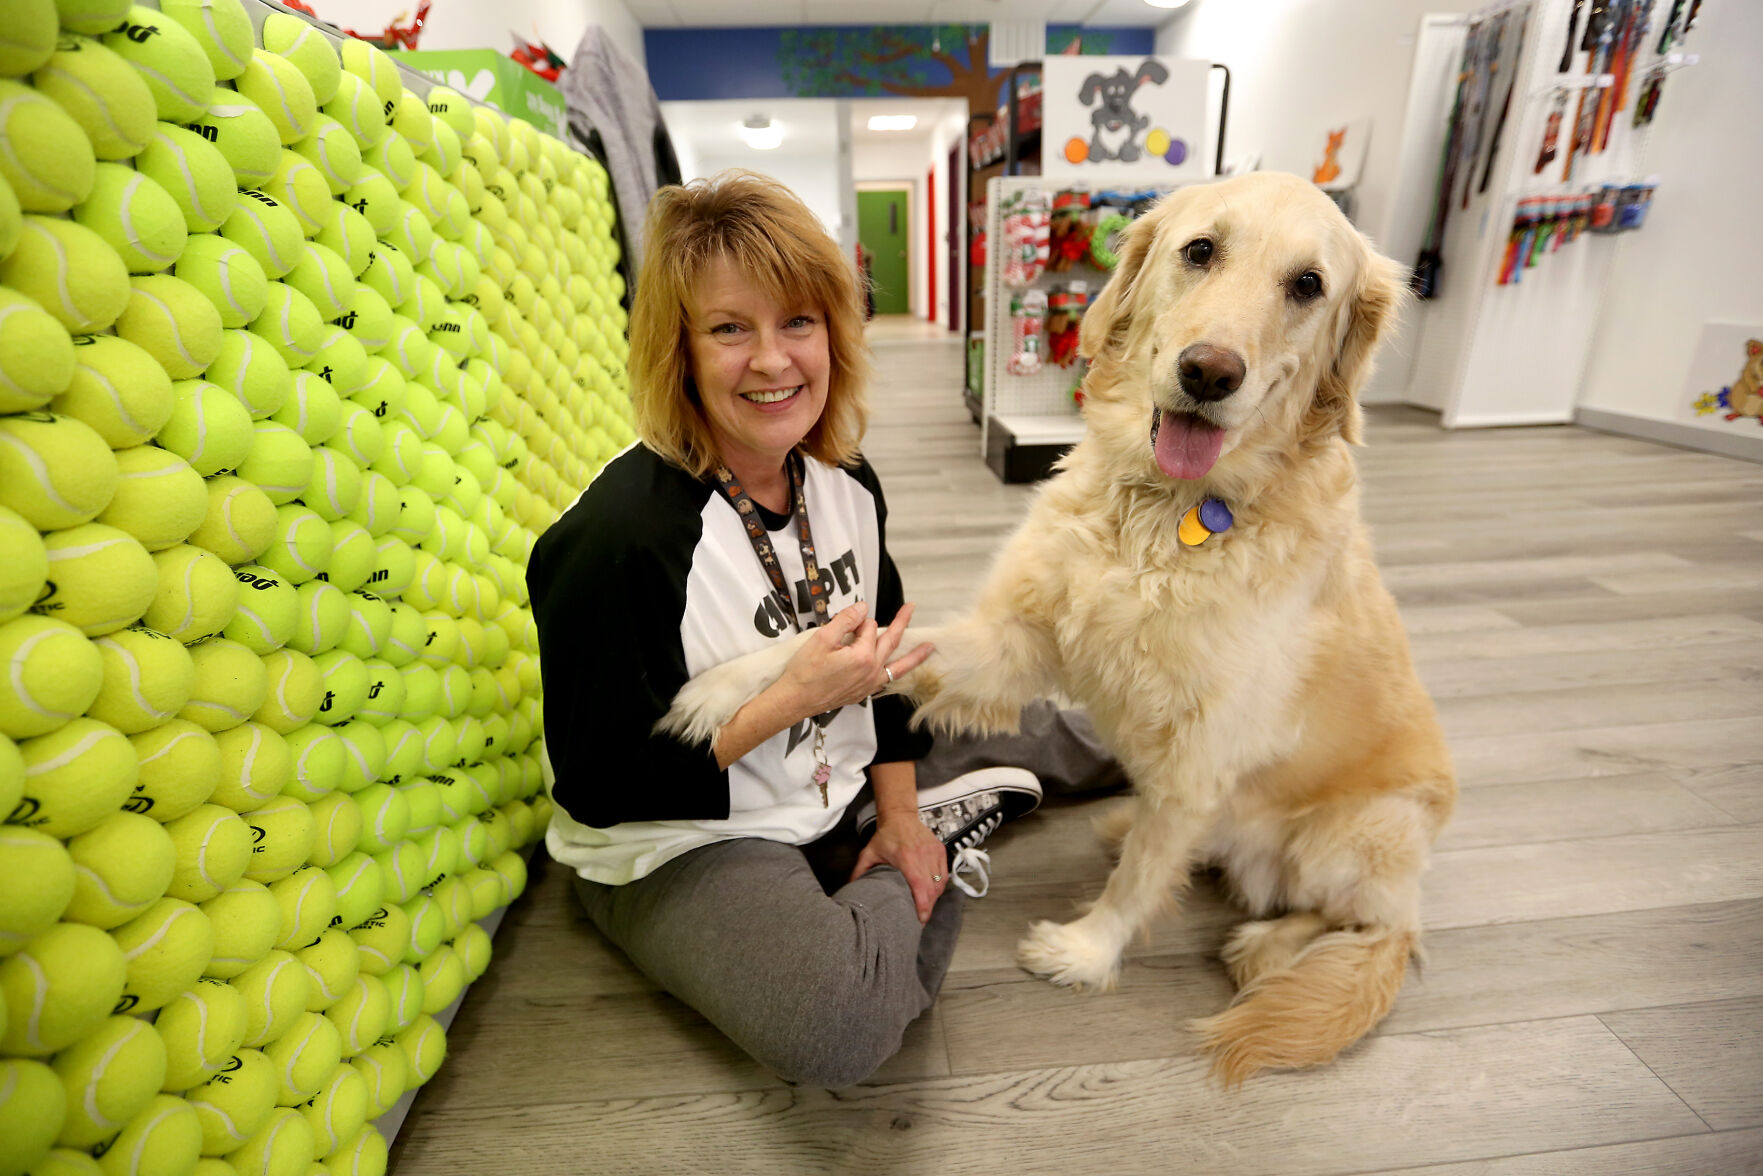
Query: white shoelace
{"x":968,"y":860}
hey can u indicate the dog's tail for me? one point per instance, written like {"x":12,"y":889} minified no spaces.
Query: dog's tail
{"x":1330,"y":995}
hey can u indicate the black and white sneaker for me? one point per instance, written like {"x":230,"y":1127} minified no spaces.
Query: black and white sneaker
{"x":964,"y":811}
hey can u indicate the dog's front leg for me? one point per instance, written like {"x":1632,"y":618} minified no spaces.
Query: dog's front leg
{"x":1155,"y":859}
{"x":981,"y":676}
{"x":704,"y":705}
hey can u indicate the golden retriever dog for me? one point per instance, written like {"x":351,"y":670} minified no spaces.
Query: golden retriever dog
{"x":1253,"y":678}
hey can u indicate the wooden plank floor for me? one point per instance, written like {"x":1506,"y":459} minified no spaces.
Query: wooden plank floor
{"x":1589,"y":613}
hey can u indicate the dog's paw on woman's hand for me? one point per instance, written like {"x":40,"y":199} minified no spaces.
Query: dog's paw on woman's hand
{"x":1064,"y":954}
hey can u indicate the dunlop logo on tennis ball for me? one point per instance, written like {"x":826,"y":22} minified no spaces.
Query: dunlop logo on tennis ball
{"x":257,"y":836}
{"x":25,"y":813}
{"x":137,"y":33}
{"x":374,"y":921}
{"x":233,"y":1065}
{"x":123,"y":1007}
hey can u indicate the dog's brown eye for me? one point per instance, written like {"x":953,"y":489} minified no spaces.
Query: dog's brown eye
{"x":1308,"y":285}
{"x":1198,"y":251}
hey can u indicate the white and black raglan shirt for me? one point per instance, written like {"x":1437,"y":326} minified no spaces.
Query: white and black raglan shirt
{"x":649,"y":579}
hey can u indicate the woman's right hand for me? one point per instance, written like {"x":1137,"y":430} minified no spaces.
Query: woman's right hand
{"x":849,"y":658}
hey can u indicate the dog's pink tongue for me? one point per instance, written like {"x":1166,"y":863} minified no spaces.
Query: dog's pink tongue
{"x":1186,"y":446}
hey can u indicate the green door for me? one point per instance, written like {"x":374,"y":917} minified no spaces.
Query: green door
{"x":882,"y":231}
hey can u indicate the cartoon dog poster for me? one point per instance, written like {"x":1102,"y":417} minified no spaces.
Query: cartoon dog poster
{"x":1128,"y":119}
{"x":1343,"y":155}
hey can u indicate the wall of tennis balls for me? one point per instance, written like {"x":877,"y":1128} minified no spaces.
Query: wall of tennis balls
{"x":295,"y":363}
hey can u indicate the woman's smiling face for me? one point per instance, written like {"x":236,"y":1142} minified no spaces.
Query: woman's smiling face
{"x":761,"y":368}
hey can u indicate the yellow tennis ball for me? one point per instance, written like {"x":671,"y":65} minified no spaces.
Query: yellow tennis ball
{"x":381,"y":939}
{"x":370,"y":623}
{"x":306,"y":903}
{"x":283,"y":832}
{"x":294,"y":690}
{"x":404,"y":986}
{"x":232,"y":281}
{"x":54,"y":674}
{"x":100,"y":578}
{"x":404,"y":747}
{"x":58,"y":987}
{"x":439,"y":739}
{"x":33,"y":1105}
{"x":322,"y":618}
{"x":280,"y":462}
{"x":249,"y":366}
{"x":384,"y":1072}
{"x":29,"y":36}
{"x":360,"y":435}
{"x":230,"y":685}
{"x":361,"y":887}
{"x":179,"y":769}
{"x":313,"y":408}
{"x":118,"y":389}
{"x":122,"y":866}
{"x":337,"y":819}
{"x":246,"y":922}
{"x":200,"y":1030}
{"x":425,"y":804}
{"x":40,"y":884}
{"x":318,"y":760}
{"x":361,"y":1013}
{"x":194,"y":172}
{"x":393,"y":158}
{"x":262,"y":622}
{"x":353,"y":554}
{"x":267,"y":230}
{"x":339,"y":1110}
{"x":324,"y":277}
{"x":345,"y":686}
{"x":208,"y":427}
{"x":283,"y":93}
{"x":148,"y":677}
{"x":275,"y":989}
{"x":385,"y":816}
{"x":376,"y":510}
{"x":173,"y":322}
{"x":213,"y":848}
{"x":401,"y":872}
{"x":221,"y":27}
{"x":283,"y":1146}
{"x":486,"y":889}
{"x":166,"y":948}
{"x":425,"y":1048}
{"x":49,"y":164}
{"x":404,"y":643}
{"x":56,"y":472}
{"x":346,"y":233}
{"x":238,"y":521}
{"x":170,"y":60}
{"x":235,"y":1102}
{"x":197,"y":594}
{"x":291,"y":324}
{"x":364,"y":754}
{"x":74,"y":777}
{"x":110,"y":1075}
{"x":427,"y":926}
{"x":159,"y":499}
{"x":243,"y":135}
{"x":473,"y":947}
{"x":340,"y":360}
{"x":358,"y":109}
{"x":256,"y":765}
{"x":301,"y":548}
{"x":304,"y":1056}
{"x":135,"y":216}
{"x":37,"y":361}
{"x":302,"y":190}
{"x":331,"y":149}
{"x":164,"y":1136}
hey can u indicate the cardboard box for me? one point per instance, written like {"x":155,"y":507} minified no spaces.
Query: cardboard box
{"x":495,"y":78}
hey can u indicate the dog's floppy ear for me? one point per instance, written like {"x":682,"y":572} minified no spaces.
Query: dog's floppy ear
{"x":1091,"y":87}
{"x":1109,"y":317}
{"x":1371,"y":310}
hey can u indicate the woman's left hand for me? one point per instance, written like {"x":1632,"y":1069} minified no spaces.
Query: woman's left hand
{"x":907,"y":844}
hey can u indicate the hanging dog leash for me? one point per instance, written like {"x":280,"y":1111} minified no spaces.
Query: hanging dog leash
{"x":748,"y":511}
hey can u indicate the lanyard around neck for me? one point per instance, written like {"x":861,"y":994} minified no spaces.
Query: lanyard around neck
{"x":748,"y":510}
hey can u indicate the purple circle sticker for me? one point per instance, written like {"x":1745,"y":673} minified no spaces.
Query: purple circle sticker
{"x":1177,"y":153}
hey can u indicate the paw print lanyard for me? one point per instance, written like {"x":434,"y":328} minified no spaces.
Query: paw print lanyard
{"x":748,"y":511}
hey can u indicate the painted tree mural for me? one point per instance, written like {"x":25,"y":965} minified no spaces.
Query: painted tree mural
{"x":917,"y":61}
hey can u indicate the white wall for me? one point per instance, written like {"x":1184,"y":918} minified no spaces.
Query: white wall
{"x":948,"y":132}
{"x":1299,"y":67}
{"x":478,"y":24}
{"x":810,"y":177}
{"x":1697,"y":259}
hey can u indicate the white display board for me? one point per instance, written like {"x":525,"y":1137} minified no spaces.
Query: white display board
{"x":1109,"y":120}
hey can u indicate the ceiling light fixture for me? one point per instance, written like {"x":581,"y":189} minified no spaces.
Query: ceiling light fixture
{"x":1166,"y":3}
{"x":892,"y":122}
{"x":761,"y":134}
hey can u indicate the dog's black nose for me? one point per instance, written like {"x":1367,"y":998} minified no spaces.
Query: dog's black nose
{"x":1210,"y":373}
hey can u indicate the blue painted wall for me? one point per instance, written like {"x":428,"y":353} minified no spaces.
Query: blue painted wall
{"x":846,"y":61}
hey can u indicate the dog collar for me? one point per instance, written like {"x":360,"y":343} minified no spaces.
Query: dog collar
{"x":1204,"y":521}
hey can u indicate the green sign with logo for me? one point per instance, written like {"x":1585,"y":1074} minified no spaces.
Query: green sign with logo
{"x":488,"y":76}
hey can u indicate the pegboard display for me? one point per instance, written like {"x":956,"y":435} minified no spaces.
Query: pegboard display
{"x":1050,"y":252}
{"x":298,"y":354}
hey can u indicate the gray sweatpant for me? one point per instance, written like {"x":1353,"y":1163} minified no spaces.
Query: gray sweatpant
{"x":815,"y":976}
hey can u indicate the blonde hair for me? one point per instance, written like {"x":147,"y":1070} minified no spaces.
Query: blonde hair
{"x":767,"y":233}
